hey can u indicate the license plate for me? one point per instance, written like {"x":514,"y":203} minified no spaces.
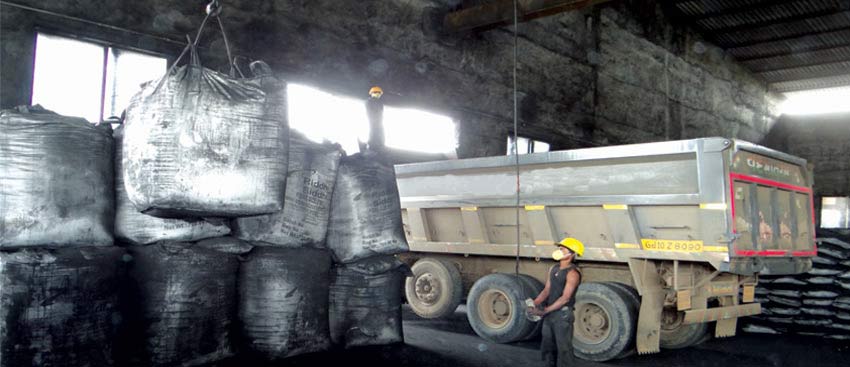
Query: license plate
{"x":671,"y":245}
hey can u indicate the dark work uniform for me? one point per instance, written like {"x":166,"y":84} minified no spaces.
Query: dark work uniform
{"x":375,"y":110}
{"x":557,"y":344}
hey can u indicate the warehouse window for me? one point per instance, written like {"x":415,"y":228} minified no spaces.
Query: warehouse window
{"x":817,"y":101}
{"x":323,"y":116}
{"x":527,"y":145}
{"x":88,"y":80}
{"x":835,"y":212}
{"x":420,"y":131}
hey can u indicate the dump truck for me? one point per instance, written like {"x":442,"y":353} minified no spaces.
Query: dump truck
{"x":676,"y":235}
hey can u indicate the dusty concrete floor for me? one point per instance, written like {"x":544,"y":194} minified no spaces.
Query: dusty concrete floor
{"x":453,"y":343}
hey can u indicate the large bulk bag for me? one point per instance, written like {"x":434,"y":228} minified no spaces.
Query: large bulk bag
{"x":180,"y":304}
{"x":58,"y":306}
{"x":365,"y":302}
{"x":141,"y":229}
{"x":55,"y":180}
{"x":365,"y":210}
{"x":309,"y":186}
{"x":200,"y":143}
{"x":283,"y":298}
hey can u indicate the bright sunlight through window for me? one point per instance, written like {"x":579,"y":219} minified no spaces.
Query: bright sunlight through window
{"x":323,"y":116}
{"x":819,"y":101}
{"x":68,"y":77}
{"x":126,"y":71}
{"x":73,"y":79}
{"x":419,"y":131}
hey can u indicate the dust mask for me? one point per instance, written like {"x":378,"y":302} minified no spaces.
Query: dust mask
{"x":557,"y":255}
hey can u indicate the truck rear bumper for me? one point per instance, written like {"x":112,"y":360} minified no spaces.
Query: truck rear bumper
{"x":769,"y":265}
{"x":721,"y":313}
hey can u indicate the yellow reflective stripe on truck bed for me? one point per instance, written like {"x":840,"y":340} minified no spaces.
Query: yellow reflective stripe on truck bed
{"x":713,"y":206}
{"x":535,"y":207}
{"x":615,"y":206}
{"x":627,"y":245}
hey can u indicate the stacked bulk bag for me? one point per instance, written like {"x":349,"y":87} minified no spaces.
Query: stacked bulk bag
{"x":303,"y":222}
{"x":365,"y":216}
{"x":283,"y":297}
{"x":202,"y":144}
{"x":140,"y":229}
{"x":180,"y":303}
{"x":811,"y":303}
{"x":365,"y":302}
{"x":55,"y":180}
{"x":58,"y":307}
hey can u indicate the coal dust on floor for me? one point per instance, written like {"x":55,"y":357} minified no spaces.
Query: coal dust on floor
{"x":452,"y":342}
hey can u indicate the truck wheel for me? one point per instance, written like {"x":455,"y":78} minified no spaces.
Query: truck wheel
{"x":533,"y":288}
{"x":633,"y":297}
{"x":434,"y":290}
{"x":604,"y":323}
{"x":495,"y":308}
{"x":675,"y":335}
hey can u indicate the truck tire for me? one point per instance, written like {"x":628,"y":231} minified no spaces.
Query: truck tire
{"x":435,"y":289}
{"x":495,"y":308}
{"x":633,"y":297}
{"x":533,"y":289}
{"x":675,"y":335}
{"x":604,"y":323}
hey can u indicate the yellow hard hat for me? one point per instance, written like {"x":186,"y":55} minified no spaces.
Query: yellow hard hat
{"x":573,"y":244}
{"x":376,"y":92}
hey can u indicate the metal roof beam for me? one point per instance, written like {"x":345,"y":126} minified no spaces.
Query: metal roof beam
{"x":790,"y":39}
{"x":796,"y":53}
{"x":795,"y":85}
{"x":770,"y":22}
{"x":763,"y":66}
{"x":501,"y":12}
{"x":740,"y":9}
{"x":798,"y":73}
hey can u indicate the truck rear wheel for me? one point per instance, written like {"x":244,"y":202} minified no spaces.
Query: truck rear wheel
{"x":676,"y":335}
{"x":435,"y":289}
{"x":604,"y":322}
{"x":495,"y":308}
{"x":633,"y":298}
{"x":535,"y":287}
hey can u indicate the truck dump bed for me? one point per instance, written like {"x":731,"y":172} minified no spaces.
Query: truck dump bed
{"x":740,"y":207}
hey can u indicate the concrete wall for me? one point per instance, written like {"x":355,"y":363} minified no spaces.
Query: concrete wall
{"x":613,"y":74}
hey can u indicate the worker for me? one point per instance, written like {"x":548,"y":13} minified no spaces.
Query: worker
{"x":555,"y":304}
{"x":375,"y":111}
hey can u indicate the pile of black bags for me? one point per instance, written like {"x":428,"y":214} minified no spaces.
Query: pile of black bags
{"x":816,"y":303}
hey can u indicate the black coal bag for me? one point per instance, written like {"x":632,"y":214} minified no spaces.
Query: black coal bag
{"x":283,"y":297}
{"x":141,"y":229}
{"x":180,"y":304}
{"x":365,"y":215}
{"x":309,"y":186}
{"x":55,"y":180}
{"x":365,"y":302}
{"x":201,"y":143}
{"x":58,"y":307}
